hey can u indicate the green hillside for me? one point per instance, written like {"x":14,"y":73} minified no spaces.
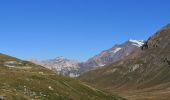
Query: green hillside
{"x":144,"y":74}
{"x":22,"y":80}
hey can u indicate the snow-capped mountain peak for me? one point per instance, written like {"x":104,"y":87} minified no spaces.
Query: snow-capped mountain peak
{"x":114,"y":54}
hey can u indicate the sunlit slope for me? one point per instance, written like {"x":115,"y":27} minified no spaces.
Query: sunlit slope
{"x":22,"y":80}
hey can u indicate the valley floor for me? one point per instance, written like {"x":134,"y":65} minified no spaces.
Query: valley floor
{"x":138,"y":95}
{"x":154,"y":93}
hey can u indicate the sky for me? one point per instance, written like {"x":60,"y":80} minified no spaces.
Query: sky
{"x":76,"y":29}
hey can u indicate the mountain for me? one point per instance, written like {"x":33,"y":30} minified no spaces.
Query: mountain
{"x":112,"y":55}
{"x":22,"y":80}
{"x":61,"y":65}
{"x":143,"y":75}
{"x":75,"y":68}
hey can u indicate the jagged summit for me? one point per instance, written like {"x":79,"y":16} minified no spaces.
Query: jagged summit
{"x":61,"y":65}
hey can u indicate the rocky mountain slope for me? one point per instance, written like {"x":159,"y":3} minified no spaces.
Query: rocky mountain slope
{"x":61,"y":65}
{"x":75,"y":68}
{"x":146,"y":71}
{"x":112,"y":55}
{"x":22,"y":80}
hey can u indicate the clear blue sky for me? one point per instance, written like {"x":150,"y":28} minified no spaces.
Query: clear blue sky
{"x":76,"y":29}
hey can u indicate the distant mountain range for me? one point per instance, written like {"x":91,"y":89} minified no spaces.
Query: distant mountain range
{"x":61,"y":65}
{"x":75,"y":68}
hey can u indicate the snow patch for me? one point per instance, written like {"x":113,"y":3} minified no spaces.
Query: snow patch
{"x":116,"y":50}
{"x":137,"y":43}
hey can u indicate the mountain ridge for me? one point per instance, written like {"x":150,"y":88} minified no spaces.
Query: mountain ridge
{"x":146,"y":72}
{"x":74,"y":68}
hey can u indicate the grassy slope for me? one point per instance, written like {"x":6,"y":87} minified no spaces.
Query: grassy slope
{"x":22,"y":83}
{"x":145,"y":76}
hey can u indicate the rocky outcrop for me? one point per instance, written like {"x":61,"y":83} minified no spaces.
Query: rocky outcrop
{"x":167,"y":60}
{"x":160,"y":39}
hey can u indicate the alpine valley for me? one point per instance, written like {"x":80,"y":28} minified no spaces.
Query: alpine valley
{"x":133,"y":70}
